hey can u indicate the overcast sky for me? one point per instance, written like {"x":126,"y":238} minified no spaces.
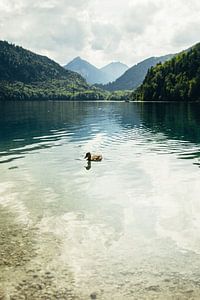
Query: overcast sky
{"x":101,"y":31}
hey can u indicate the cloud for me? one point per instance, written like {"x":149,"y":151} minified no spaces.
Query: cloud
{"x":101,"y":31}
{"x":140,"y":16}
{"x":105,"y":37}
{"x":187,"y":35}
{"x":186,"y":32}
{"x":45,"y":27}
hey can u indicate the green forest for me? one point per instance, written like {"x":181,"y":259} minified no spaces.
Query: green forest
{"x":26,"y":75}
{"x":48,"y":90}
{"x":176,"y":80}
{"x":135,"y":75}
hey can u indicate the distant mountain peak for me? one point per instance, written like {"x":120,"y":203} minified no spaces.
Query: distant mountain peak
{"x":77,"y":58}
{"x":94,"y":75}
{"x":87,"y":70}
{"x":114,"y":70}
{"x":117,"y":63}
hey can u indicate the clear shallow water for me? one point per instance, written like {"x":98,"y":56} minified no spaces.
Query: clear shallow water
{"x":126,"y":228}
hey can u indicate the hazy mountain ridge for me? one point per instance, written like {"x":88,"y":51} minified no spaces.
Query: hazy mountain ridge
{"x":92,"y":74}
{"x":114,"y":70}
{"x":135,"y":75}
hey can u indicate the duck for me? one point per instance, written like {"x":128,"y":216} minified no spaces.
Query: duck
{"x":93,"y":157}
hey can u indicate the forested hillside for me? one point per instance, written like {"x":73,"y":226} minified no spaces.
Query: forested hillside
{"x":134,"y":76}
{"x":175,"y":80}
{"x":26,"y":75}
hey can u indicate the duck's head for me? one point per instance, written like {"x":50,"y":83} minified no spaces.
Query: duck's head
{"x":88,"y":155}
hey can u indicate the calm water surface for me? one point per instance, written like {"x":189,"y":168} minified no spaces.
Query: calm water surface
{"x":125,"y":228}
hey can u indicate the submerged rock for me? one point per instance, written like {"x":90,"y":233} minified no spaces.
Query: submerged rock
{"x":93,"y":296}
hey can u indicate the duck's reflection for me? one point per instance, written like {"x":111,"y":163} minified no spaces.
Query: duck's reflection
{"x":88,"y":167}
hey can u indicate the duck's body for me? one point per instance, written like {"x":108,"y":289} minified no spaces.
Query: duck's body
{"x":93,"y":157}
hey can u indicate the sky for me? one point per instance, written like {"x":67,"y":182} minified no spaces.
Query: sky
{"x":101,"y":31}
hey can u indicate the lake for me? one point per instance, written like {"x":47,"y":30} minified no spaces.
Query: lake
{"x":124,"y":228}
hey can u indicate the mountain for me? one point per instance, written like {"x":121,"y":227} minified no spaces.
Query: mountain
{"x":18,"y":64}
{"x":92,"y":74}
{"x":114,"y":70}
{"x":26,"y":75}
{"x":87,"y":70}
{"x":176,"y":80}
{"x":134,"y":76}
